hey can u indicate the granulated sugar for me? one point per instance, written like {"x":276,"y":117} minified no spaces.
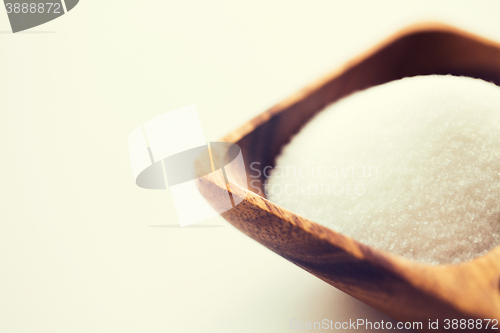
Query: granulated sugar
{"x":411,"y":166}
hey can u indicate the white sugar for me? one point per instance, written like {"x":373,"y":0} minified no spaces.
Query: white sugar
{"x":411,"y":166}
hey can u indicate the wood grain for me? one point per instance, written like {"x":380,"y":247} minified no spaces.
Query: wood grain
{"x":403,"y":289}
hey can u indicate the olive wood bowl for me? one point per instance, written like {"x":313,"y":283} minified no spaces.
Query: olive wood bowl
{"x":401,"y":288}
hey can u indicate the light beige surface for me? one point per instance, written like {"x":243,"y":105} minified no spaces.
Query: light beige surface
{"x":78,"y":250}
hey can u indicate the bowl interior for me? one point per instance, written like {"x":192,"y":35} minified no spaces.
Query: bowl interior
{"x":433,"y":49}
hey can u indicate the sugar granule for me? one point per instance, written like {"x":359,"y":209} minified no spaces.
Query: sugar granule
{"x":411,"y":167}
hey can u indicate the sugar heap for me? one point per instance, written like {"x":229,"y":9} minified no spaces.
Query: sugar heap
{"x":411,"y":167}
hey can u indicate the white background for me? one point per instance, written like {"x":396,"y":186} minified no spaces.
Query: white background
{"x":82,"y":249}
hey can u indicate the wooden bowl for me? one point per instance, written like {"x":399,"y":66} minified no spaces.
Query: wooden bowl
{"x":403,"y":289}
